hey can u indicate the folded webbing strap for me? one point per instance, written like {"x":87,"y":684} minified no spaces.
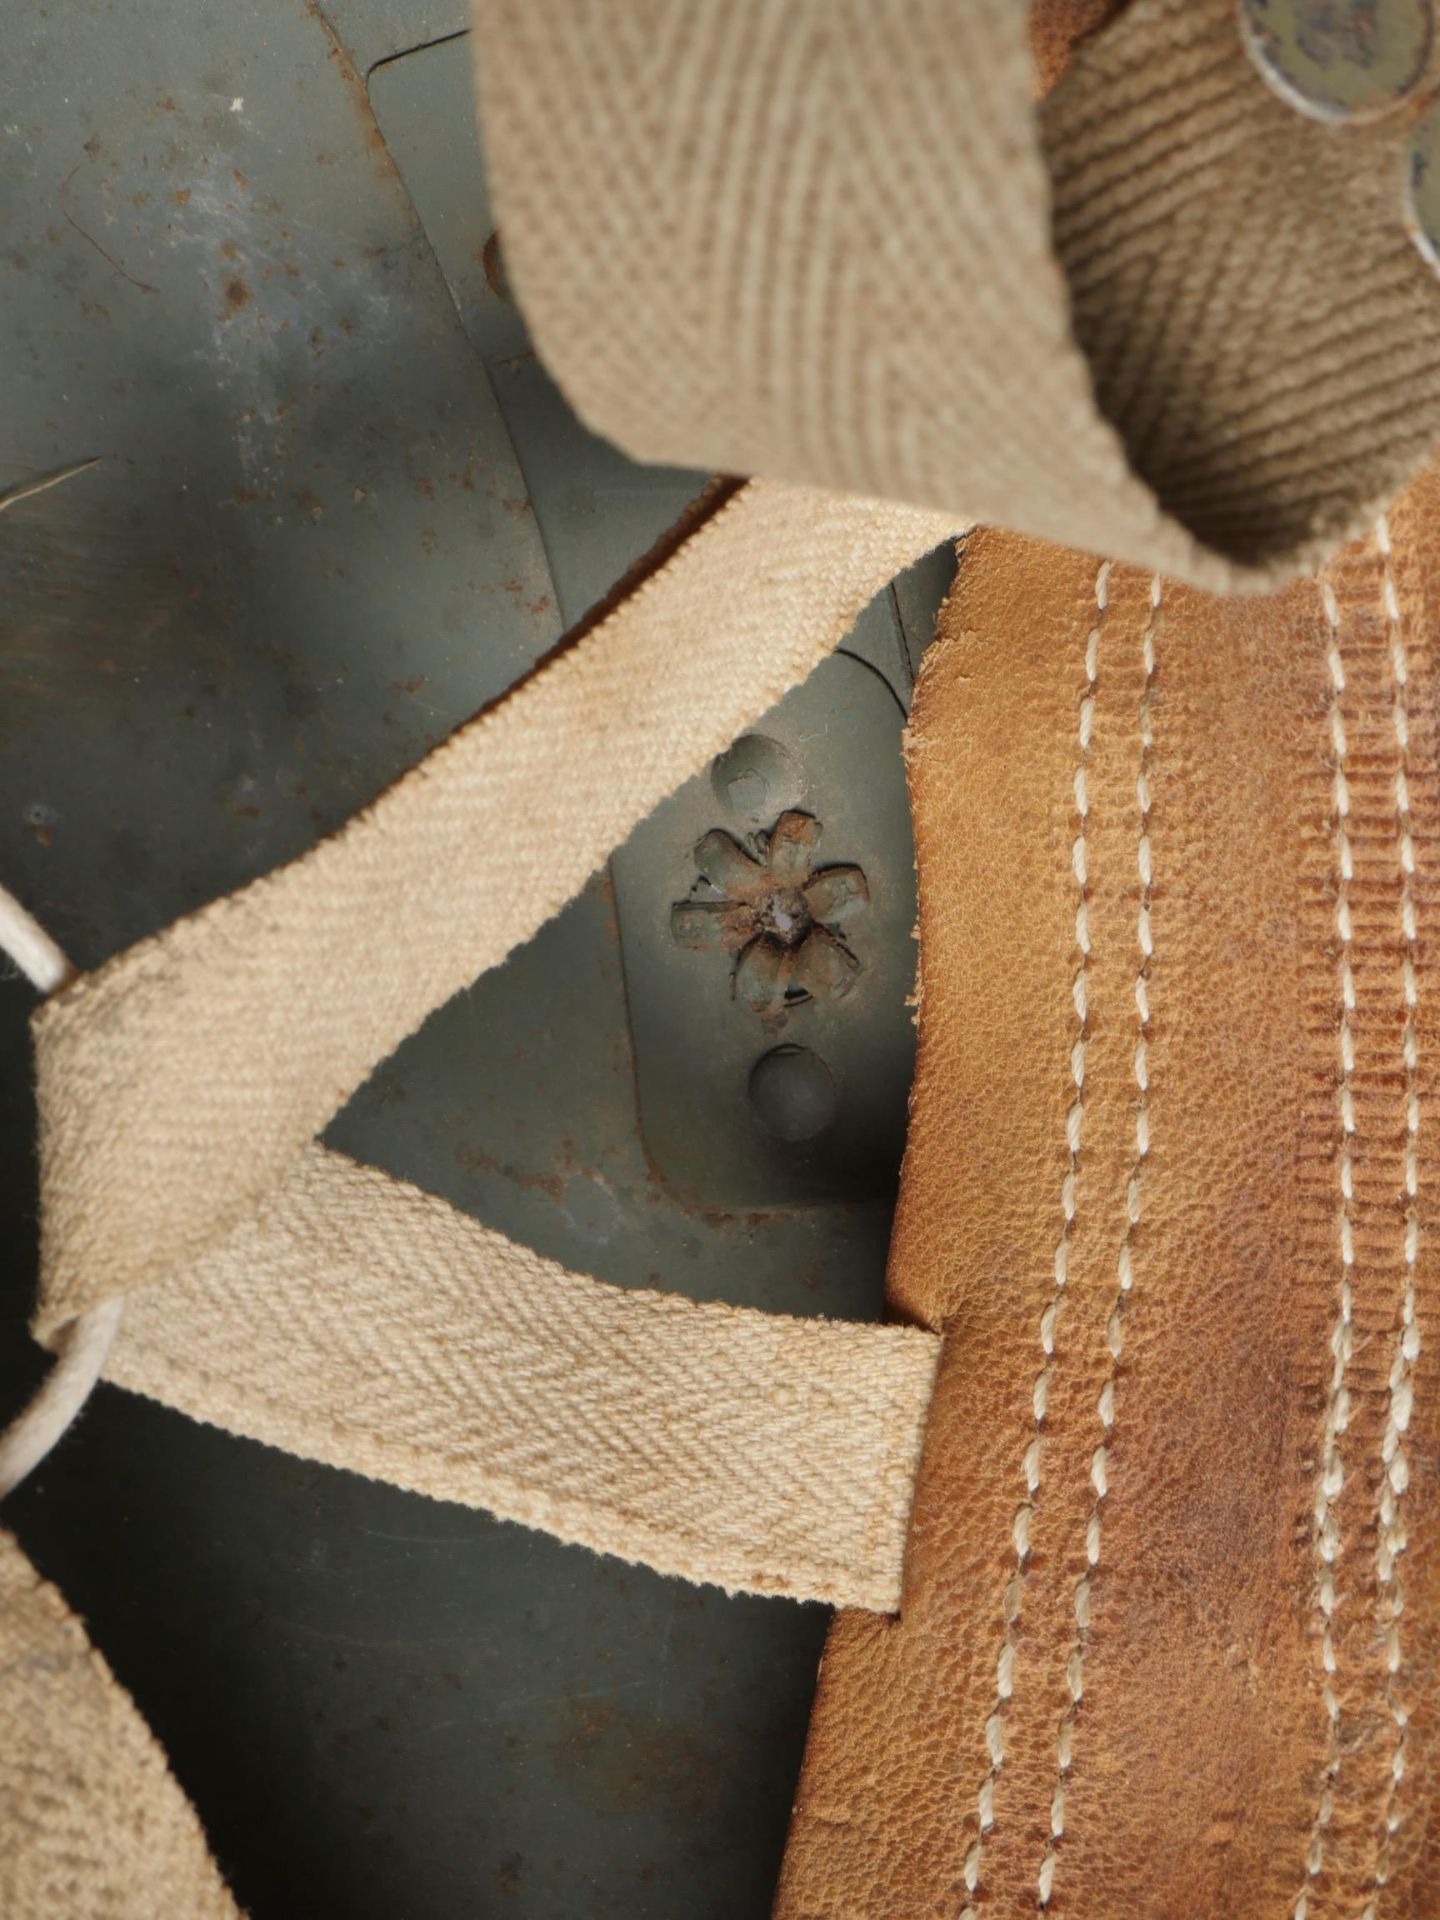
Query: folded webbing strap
{"x":1161,"y":316}
{"x":830,"y":241}
{"x":281,"y":1291}
{"x":180,"y":1082}
{"x":815,"y":302}
{"x":355,"y":1320}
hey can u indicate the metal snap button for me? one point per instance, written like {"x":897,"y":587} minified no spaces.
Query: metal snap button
{"x":1424,"y":185}
{"x":1340,"y":60}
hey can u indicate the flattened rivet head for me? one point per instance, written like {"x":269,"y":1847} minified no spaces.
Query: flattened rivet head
{"x":1340,"y":60}
{"x":757,"y":778}
{"x":1424,"y":188}
{"x":794,"y":1094}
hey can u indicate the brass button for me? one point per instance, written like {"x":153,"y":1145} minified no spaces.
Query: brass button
{"x":1340,"y":60}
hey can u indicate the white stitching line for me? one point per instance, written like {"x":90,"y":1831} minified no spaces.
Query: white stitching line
{"x":1074,"y":1121}
{"x":1391,"y":1525}
{"x":1114,"y":1331}
{"x":1332,"y":1467}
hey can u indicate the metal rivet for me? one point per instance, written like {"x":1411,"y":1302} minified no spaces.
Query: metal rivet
{"x":1340,"y":60}
{"x":756,"y":779}
{"x":1424,"y":188}
{"x":793,"y":1093}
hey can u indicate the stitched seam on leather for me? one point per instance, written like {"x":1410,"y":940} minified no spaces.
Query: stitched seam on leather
{"x":1390,"y":1524}
{"x":1074,"y":1126}
{"x":1332,"y":1467}
{"x":1124,"y":1268}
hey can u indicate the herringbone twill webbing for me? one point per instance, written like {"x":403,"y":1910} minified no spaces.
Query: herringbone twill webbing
{"x":278,"y":1290}
{"x":1160,"y":316}
{"x":92,"y":1825}
{"x":833,"y":242}
{"x":325,"y":1307}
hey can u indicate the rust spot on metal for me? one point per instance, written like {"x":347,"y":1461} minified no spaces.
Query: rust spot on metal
{"x":1340,"y":60}
{"x":617,"y":1761}
{"x":478,"y":1160}
{"x":237,"y":294}
{"x":507,"y":1875}
{"x":492,"y":260}
{"x":769,"y":904}
{"x":42,"y":822}
{"x":359,"y":93}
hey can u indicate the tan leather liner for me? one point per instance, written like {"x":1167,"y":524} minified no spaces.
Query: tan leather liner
{"x":1107,"y":1691}
{"x":1058,"y":28}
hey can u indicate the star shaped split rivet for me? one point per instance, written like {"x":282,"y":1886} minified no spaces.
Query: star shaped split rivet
{"x":777,"y":912}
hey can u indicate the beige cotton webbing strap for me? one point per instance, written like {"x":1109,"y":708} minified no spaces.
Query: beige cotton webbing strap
{"x":1160,"y":316}
{"x":275,"y":1288}
{"x":92,"y":1823}
{"x":810,"y":239}
{"x":179,"y":1083}
{"x":832,"y":242}
{"x":357,"y":1321}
